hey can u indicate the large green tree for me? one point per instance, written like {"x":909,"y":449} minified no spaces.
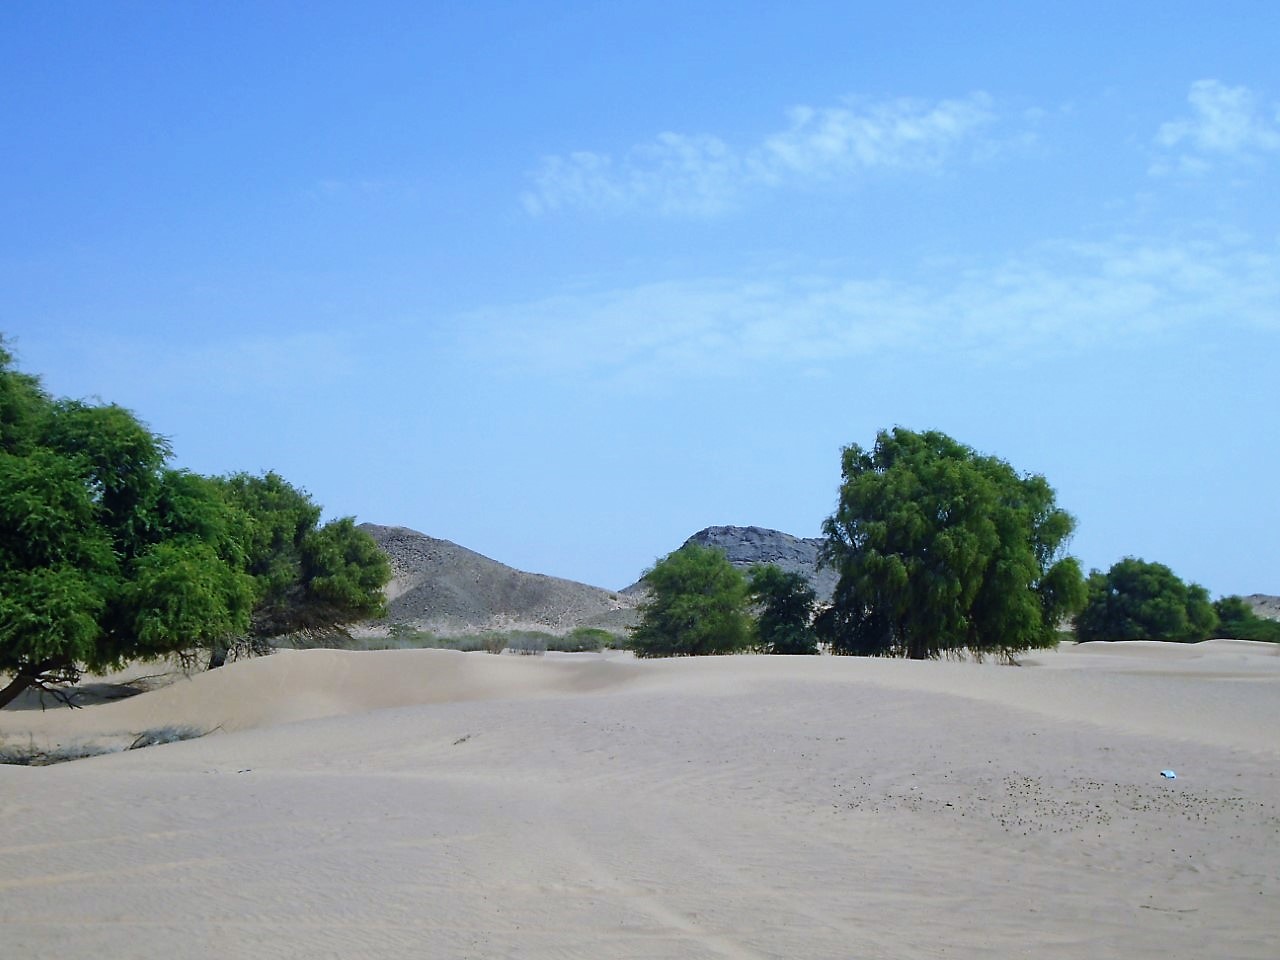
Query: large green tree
{"x":1138,"y":600}
{"x":697,"y":606}
{"x":107,"y":554}
{"x":940,"y":548}
{"x":784,"y":601}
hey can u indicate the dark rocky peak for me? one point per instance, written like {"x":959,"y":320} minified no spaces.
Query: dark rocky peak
{"x":747,"y":546}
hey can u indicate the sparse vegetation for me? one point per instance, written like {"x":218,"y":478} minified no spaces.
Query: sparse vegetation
{"x":584,"y":640}
{"x":527,"y":642}
{"x":31,"y":754}
{"x":403,"y":636}
{"x":160,"y":735}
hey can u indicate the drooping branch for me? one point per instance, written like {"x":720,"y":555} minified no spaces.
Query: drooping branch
{"x":48,"y":676}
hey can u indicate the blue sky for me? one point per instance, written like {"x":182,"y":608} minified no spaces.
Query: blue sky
{"x":565,"y":283}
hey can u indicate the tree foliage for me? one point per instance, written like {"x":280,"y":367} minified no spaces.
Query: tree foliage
{"x":697,"y":606}
{"x":1138,"y":600}
{"x":785,"y":602}
{"x":307,"y":576}
{"x":1237,"y":621}
{"x":108,"y":554}
{"x":940,"y":548}
{"x":105,"y":553}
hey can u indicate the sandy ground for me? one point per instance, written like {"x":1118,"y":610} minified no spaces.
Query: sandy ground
{"x":438,"y":804}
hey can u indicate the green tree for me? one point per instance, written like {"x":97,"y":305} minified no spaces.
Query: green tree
{"x":1142,"y":600}
{"x":1237,"y":621}
{"x":105,"y":553}
{"x":1137,"y":600}
{"x":308,"y":578}
{"x":697,"y":606}
{"x":940,"y":548}
{"x":785,"y":602}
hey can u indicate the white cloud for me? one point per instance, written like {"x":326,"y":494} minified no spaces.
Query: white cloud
{"x":1063,"y":298}
{"x":1226,"y":123}
{"x":682,"y":175}
{"x":840,"y":141}
{"x":674,"y":174}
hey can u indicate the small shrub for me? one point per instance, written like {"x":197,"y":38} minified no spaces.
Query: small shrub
{"x":401,"y":636}
{"x":33,"y":756}
{"x":582,"y":640}
{"x":492,"y":642}
{"x":529,"y":642}
{"x":159,"y":735}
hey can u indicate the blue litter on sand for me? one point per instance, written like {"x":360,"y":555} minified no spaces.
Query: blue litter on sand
{"x":1168,"y":775}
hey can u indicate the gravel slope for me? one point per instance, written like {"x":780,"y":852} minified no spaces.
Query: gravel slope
{"x":439,"y":586}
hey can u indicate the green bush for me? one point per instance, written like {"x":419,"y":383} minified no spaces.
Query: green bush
{"x":784,"y":620}
{"x":1237,"y":621}
{"x":1140,"y":600}
{"x":697,"y":606}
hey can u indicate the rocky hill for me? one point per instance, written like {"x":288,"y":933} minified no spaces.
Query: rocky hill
{"x":439,"y":586}
{"x":1264,"y":605}
{"x":747,"y":546}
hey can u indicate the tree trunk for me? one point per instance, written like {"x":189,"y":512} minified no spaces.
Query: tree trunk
{"x":30,"y":675}
{"x":19,"y":683}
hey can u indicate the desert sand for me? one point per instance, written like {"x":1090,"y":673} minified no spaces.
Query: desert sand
{"x":439,"y":804}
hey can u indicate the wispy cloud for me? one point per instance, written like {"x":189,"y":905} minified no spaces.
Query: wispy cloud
{"x":1226,"y":124}
{"x":698,"y":175}
{"x":1065,"y":297}
{"x":833,"y":142}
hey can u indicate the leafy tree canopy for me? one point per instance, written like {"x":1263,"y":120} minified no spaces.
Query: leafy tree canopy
{"x":108,"y":554}
{"x":308,"y":578}
{"x":1237,"y":621}
{"x":697,"y":606}
{"x":940,"y":548}
{"x":1137,"y":600}
{"x":785,"y":602}
{"x":105,"y":553}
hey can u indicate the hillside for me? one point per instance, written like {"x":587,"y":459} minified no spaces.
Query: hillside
{"x":439,"y":586}
{"x":1264,"y":605}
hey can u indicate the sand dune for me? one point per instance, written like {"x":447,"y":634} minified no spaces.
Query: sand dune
{"x":438,"y":804}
